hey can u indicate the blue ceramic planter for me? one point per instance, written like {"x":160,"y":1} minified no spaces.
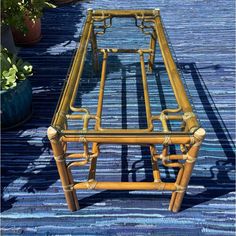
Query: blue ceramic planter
{"x":16,"y":104}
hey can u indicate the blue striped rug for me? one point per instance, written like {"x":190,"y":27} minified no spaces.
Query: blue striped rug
{"x":202,"y":36}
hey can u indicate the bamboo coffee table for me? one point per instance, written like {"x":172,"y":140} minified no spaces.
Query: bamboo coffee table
{"x":188,"y":137}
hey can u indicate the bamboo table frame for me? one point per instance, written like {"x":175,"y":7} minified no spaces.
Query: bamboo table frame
{"x":189,"y":137}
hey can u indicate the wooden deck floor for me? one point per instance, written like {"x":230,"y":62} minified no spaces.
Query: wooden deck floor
{"x":202,"y":35}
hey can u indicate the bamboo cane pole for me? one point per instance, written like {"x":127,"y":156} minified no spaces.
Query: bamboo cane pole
{"x":168,"y":117}
{"x":124,"y":50}
{"x":126,"y":139}
{"x":81,"y":67}
{"x":165,"y":161}
{"x":57,"y":148}
{"x":145,"y":90}
{"x":151,"y":58}
{"x":155,"y":169}
{"x":94,"y":49}
{"x":126,"y":13}
{"x":92,"y":168}
{"x":101,"y":90}
{"x":73,"y":78}
{"x":126,"y":185}
{"x":174,"y":77}
{"x":188,"y":167}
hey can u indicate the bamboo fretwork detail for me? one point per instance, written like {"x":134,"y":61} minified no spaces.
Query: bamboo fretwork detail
{"x":189,"y":138}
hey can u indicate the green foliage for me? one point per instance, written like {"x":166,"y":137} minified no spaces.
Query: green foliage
{"x":13,"y":12}
{"x":13,"y":70}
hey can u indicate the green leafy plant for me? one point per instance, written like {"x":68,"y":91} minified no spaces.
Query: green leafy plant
{"x":13,"y":12}
{"x":13,"y":70}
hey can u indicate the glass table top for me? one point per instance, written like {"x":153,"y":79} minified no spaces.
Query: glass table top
{"x":124,"y":111}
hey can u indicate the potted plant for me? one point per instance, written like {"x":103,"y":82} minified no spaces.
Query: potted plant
{"x":7,"y":19}
{"x":16,"y":91}
{"x":24,"y":17}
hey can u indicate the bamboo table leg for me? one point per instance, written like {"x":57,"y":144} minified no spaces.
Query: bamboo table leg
{"x":188,"y":167}
{"x":155,"y":169}
{"x":92,"y":169}
{"x":58,"y":151}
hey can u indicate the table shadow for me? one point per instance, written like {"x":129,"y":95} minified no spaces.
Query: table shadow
{"x":216,"y":180}
{"x":218,"y":183}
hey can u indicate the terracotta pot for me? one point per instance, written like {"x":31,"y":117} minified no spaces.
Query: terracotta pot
{"x":32,"y":36}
